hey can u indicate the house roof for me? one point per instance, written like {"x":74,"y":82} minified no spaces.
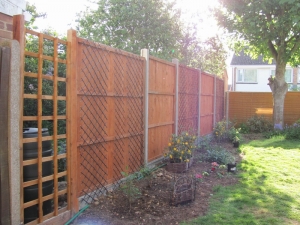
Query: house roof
{"x":243,"y":59}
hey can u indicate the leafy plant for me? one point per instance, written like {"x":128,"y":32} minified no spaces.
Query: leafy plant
{"x":181,"y":147}
{"x":219,"y":155}
{"x":203,"y":142}
{"x":292,"y":132}
{"x":244,"y":128}
{"x":259,"y":124}
{"x":128,"y":188}
{"x":221,"y":130}
{"x":234,"y":135}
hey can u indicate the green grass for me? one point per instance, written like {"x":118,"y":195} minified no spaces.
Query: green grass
{"x":268,"y":191}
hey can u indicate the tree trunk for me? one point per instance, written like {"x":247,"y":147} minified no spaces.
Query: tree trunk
{"x":279,"y":89}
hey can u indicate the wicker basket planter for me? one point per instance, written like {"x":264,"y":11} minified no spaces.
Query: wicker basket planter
{"x":177,"y":167}
{"x":184,"y":190}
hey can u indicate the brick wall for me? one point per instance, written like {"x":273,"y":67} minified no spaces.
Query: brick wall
{"x":6,"y":27}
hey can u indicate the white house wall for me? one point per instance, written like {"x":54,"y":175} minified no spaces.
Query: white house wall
{"x":263,"y":73}
{"x":260,"y":86}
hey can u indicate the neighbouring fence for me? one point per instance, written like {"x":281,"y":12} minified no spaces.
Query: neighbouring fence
{"x":108,"y":111}
{"x":243,"y":105}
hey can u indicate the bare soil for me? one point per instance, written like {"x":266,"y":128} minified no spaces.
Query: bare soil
{"x":155,"y":206}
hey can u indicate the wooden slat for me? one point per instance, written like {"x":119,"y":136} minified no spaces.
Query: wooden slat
{"x":35,"y":118}
{"x":46,"y":138}
{"x":47,"y":77}
{"x":49,"y":219}
{"x":72,"y":164}
{"x":46,"y":57}
{"x":55,"y":127}
{"x":32,"y":54}
{"x":39,"y":114}
{"x":32,"y":32}
{"x":44,"y":179}
{"x":44,"y":97}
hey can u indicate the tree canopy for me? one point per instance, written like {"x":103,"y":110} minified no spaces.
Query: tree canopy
{"x":132,"y":25}
{"x":270,"y":28}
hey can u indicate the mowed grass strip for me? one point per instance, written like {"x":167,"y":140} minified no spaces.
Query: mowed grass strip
{"x":268,"y":191}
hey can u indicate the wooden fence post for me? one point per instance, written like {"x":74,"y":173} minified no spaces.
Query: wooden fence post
{"x":145,"y":54}
{"x":199,"y":104}
{"x":19,"y":35}
{"x":176,"y":62}
{"x":73,"y":166}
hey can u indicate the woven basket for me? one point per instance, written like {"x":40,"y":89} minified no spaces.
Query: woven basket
{"x":184,"y":190}
{"x":177,"y":167}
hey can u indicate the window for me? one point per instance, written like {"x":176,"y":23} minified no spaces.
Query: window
{"x":247,"y":76}
{"x":288,"y":75}
{"x":298,"y":80}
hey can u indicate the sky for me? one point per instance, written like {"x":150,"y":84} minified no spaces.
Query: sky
{"x":61,"y":14}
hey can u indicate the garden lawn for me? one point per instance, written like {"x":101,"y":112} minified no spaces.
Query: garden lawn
{"x":268,"y":191}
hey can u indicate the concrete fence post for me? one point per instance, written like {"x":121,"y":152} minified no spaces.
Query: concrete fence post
{"x":227,"y":108}
{"x":199,"y":103}
{"x":145,"y":54}
{"x":215,"y":100}
{"x":9,"y":136}
{"x":176,"y":62}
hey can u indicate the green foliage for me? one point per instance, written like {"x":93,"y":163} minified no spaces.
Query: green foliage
{"x":133,"y":25}
{"x":222,"y":130}
{"x":209,"y":55}
{"x":181,"y":147}
{"x":219,"y":155}
{"x":128,"y":188}
{"x":31,"y":84}
{"x":203,"y":142}
{"x":269,"y":28}
{"x":292,"y":132}
{"x":234,"y":134}
{"x":244,"y":129}
{"x":262,"y":25}
{"x":259,"y":124}
{"x":31,"y":8}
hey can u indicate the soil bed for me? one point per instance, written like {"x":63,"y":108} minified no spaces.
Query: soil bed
{"x":153,"y":207}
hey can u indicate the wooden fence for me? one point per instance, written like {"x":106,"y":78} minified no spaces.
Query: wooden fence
{"x":126,"y":107}
{"x":243,"y":105}
{"x":120,"y":111}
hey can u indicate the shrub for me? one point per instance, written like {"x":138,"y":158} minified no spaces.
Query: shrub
{"x":203,"y":142}
{"x":244,"y":128}
{"x":234,"y":134}
{"x":221,"y":130}
{"x":219,"y":155}
{"x":181,"y":147}
{"x":292,"y":132}
{"x":259,"y":124}
{"x":128,"y":188}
